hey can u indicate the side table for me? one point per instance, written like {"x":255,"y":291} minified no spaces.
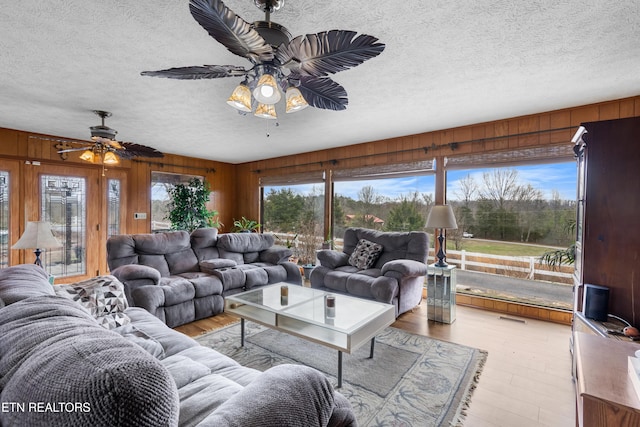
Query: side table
{"x":441,"y":294}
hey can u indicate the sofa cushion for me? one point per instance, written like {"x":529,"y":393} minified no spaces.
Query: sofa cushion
{"x":182,"y":262}
{"x":332,"y":259}
{"x":245,"y":242}
{"x":103,"y":297}
{"x":203,"y":243}
{"x":169,"y":253}
{"x":53,"y":352}
{"x":255,"y":277}
{"x":305,"y":398}
{"x":23,"y":281}
{"x":365,"y":254}
{"x":184,"y":370}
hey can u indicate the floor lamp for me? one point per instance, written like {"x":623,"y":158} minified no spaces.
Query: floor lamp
{"x":37,"y":236}
{"x":442,"y":217}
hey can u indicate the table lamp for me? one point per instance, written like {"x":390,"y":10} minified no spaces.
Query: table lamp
{"x":37,"y":236}
{"x":441,"y":216}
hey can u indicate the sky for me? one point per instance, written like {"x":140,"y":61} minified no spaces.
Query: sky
{"x":544,"y":177}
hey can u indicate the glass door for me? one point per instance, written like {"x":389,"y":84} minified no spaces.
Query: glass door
{"x":70,"y":198}
{"x":9,"y":215}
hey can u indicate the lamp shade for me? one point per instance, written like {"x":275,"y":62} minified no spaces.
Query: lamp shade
{"x":266,"y":111}
{"x":441,"y":216}
{"x":295,"y":100}
{"x":266,"y":92}
{"x":37,"y":235}
{"x":88,"y":156}
{"x":240,"y":99}
{"x":110,"y":158}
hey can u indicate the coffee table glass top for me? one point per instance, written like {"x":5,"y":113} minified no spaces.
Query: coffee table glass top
{"x":308,"y":304}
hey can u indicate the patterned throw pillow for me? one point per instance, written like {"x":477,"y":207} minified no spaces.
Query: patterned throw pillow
{"x":365,"y":254}
{"x":102,"y":296}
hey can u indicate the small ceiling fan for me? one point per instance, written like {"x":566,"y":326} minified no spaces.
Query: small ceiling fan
{"x":104,"y":148}
{"x":298,"y":67}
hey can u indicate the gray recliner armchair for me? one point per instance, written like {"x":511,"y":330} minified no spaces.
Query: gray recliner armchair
{"x":394,"y":275}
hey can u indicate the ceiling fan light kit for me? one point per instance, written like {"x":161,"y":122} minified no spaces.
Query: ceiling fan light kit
{"x":88,"y":156}
{"x":240,"y":99}
{"x":294,"y":100}
{"x":266,"y":111}
{"x":110,"y":158}
{"x":104,"y":149}
{"x":298,"y":67}
{"x":266,"y":91}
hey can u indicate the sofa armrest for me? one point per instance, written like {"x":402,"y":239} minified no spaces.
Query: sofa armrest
{"x":405,"y":267}
{"x":130,"y":272}
{"x":275,"y":255}
{"x":332,"y":259}
{"x":283,"y":396}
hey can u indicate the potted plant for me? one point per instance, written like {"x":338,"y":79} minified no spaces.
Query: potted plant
{"x":555,"y":258}
{"x":328,"y":241}
{"x":307,"y":270}
{"x":188,"y":206}
{"x":245,"y":225}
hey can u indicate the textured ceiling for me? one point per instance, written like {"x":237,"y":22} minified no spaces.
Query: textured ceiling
{"x":446,"y":63}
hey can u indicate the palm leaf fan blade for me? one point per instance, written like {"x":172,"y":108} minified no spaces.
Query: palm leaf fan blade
{"x":323,"y":93}
{"x":233,"y":32}
{"x":137,"y":150}
{"x":328,"y":52}
{"x":198,"y":72}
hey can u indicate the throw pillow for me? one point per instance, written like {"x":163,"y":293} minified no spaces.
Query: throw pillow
{"x":365,"y":254}
{"x":102,"y":296}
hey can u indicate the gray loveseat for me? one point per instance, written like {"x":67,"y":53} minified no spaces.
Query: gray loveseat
{"x":180,"y":278}
{"x":396,"y":275}
{"x":59,"y":367}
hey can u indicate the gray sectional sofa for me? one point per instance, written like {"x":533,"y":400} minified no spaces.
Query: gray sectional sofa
{"x":390,"y":267}
{"x":60,"y":367}
{"x":181,"y":277}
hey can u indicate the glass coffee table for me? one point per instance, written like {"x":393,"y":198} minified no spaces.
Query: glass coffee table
{"x":336,"y":321}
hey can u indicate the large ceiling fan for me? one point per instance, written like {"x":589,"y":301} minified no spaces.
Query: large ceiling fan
{"x":103,"y":147}
{"x":299,"y":67}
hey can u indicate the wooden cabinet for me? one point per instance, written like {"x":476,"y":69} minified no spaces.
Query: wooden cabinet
{"x":607,"y":254}
{"x":608,"y":223}
{"x":605,"y":396}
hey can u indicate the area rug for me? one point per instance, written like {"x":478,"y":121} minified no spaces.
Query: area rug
{"x":412,"y":380}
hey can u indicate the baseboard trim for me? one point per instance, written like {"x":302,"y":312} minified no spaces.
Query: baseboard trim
{"x":514,"y":308}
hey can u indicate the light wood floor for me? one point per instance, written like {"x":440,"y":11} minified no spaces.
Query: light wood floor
{"x":526,"y":380}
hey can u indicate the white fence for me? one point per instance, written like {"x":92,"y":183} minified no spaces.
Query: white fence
{"x":526,"y":267}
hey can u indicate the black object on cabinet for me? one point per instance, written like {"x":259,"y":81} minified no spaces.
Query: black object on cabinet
{"x":608,"y":220}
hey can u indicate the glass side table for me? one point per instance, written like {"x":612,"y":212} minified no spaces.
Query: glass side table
{"x":441,"y":294}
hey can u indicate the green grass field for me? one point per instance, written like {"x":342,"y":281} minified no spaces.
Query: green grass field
{"x":500,"y":248}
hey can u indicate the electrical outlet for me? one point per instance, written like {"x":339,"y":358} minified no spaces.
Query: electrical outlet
{"x":140,"y":215}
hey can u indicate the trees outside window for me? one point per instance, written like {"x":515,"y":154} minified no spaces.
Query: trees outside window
{"x":295,"y":214}
{"x":500,"y":204}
